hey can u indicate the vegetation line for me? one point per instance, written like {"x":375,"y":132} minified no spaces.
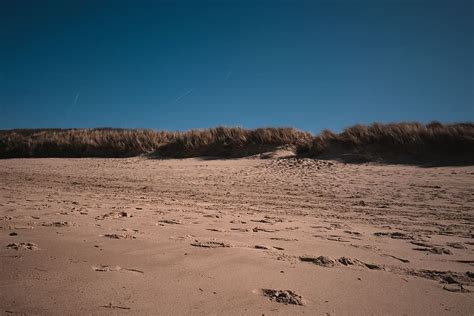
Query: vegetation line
{"x":390,"y":143}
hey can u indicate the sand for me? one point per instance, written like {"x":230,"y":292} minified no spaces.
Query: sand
{"x":240,"y":236}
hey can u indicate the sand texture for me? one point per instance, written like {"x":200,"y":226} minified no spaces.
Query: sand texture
{"x":237,"y":236}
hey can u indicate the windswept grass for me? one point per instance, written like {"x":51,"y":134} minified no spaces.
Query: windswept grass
{"x":232,"y":142}
{"x":107,"y":142}
{"x":103,"y":142}
{"x":398,"y":142}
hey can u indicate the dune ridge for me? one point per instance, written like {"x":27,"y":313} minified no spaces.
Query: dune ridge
{"x":405,"y":142}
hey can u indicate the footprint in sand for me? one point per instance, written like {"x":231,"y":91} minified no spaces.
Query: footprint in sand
{"x":113,"y":215}
{"x":243,"y":230}
{"x":447,"y":277}
{"x":275,"y":219}
{"x":264,"y":221}
{"x":319,"y":227}
{"x":213,"y":215}
{"x":23,"y":245}
{"x":266,"y":230}
{"x":211,"y":244}
{"x":119,"y":236}
{"x":332,"y":238}
{"x":352,"y":233}
{"x":435,"y":250}
{"x":107,"y":268}
{"x":57,"y":224}
{"x":322,"y":261}
{"x":456,"y":245}
{"x":421,"y":243}
{"x":458,"y":288}
{"x":171,"y":221}
{"x":394,"y":235}
{"x":112,"y":306}
{"x":265,"y":247}
{"x":328,"y":262}
{"x":130,"y":230}
{"x":283,"y":239}
{"x":238,"y":222}
{"x":461,"y":280}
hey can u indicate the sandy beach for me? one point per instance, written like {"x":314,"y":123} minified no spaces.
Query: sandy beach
{"x":216,"y":237}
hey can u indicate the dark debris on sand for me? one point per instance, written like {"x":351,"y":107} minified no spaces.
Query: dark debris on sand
{"x":284,"y":296}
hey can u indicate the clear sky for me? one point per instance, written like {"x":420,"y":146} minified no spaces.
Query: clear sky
{"x":194,"y":64}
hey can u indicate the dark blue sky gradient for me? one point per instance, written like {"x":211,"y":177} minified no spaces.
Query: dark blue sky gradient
{"x":194,"y":64}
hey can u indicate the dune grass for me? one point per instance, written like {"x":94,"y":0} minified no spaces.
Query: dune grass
{"x":232,"y":142}
{"x":108,"y":142}
{"x":104,"y":142}
{"x":397,"y":142}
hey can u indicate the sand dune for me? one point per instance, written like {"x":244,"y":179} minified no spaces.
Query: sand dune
{"x":410,"y":143}
{"x":237,"y":236}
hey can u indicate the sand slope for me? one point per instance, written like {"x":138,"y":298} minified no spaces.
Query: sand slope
{"x":192,"y":236}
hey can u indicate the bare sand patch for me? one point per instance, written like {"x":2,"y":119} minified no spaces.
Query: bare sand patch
{"x":201,"y":235}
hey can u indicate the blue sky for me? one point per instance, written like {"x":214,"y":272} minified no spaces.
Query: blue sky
{"x":194,"y":64}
